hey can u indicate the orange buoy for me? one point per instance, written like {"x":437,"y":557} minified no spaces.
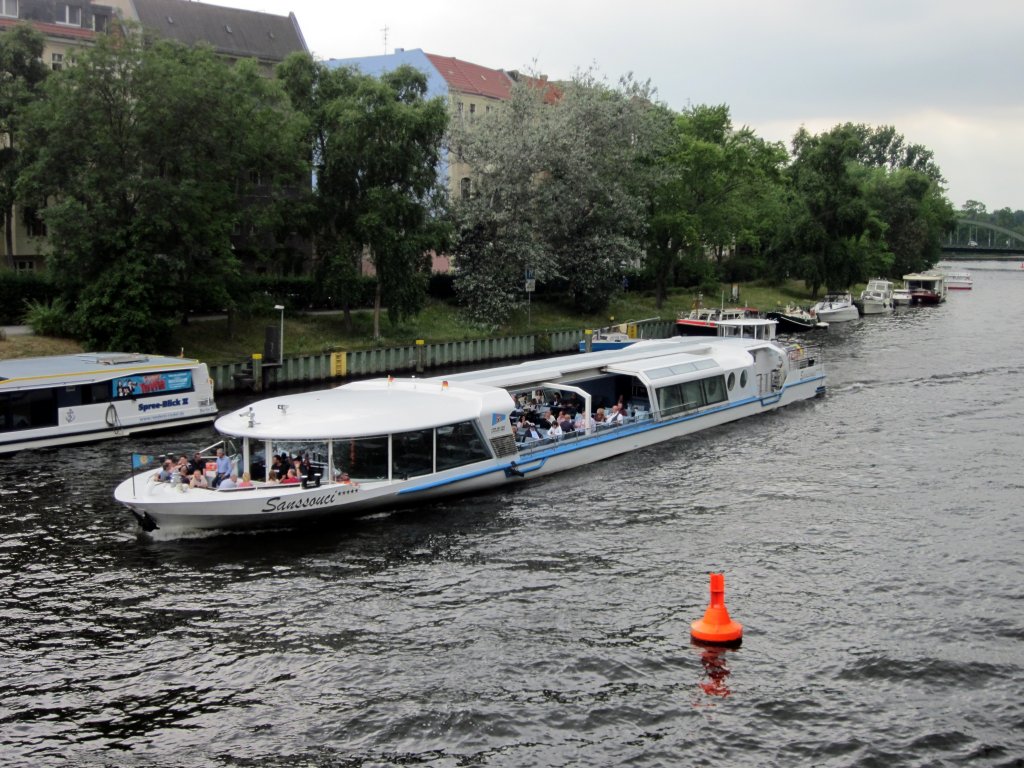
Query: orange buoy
{"x":716,"y":626}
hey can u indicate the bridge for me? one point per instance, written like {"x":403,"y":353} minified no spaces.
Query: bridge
{"x":981,"y":240}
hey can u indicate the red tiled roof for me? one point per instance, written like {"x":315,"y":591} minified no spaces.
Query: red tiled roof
{"x":469,"y":78}
{"x":52,"y":30}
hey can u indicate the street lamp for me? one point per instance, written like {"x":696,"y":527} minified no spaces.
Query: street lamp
{"x":280,"y":348}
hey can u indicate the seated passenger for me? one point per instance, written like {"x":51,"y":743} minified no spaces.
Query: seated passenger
{"x":198,"y":480}
{"x":246,"y":481}
{"x":229,"y":482}
{"x":166,"y":472}
{"x":616,"y":417}
{"x":532,"y":433}
{"x":554,"y":430}
{"x":599,"y":416}
{"x":291,"y":478}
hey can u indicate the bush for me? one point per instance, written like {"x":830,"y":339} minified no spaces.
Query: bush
{"x":47,"y":318}
{"x":17,"y":288}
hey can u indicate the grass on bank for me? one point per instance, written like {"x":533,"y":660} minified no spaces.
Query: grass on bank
{"x":218,"y":341}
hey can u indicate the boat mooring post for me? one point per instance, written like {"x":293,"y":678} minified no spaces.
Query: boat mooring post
{"x":420,"y":349}
{"x":257,"y":372}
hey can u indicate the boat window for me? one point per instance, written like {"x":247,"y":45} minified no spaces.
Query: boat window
{"x":732,"y":381}
{"x":690,"y":395}
{"x":28,"y":410}
{"x":363,"y":458}
{"x":743,"y":378}
{"x":714,"y":390}
{"x":412,"y":453}
{"x":151,"y":384}
{"x":459,"y":444}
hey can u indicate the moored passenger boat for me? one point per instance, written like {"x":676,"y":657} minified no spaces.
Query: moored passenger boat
{"x":926,"y":288}
{"x":383,"y":443}
{"x":703,"y":321}
{"x":64,"y":399}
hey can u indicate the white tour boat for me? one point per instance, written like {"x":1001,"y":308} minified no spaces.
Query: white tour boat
{"x":835,"y":308}
{"x":876,"y":298}
{"x":63,"y":399}
{"x":379,"y":444}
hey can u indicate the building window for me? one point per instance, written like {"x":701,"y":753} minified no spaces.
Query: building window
{"x":472,"y":111}
{"x":465,"y":187}
{"x":56,"y":61}
{"x":100,"y":22}
{"x":34,"y":225}
{"x":69,"y":14}
{"x":25,"y":266}
{"x":9,"y":8}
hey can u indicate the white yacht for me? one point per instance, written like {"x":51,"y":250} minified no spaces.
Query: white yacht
{"x":383,"y":443}
{"x":835,"y":308}
{"x":63,"y":399}
{"x":876,"y":298}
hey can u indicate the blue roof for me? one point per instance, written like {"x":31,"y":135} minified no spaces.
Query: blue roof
{"x":378,"y":65}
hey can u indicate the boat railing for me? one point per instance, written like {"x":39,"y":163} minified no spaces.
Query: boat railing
{"x":581,"y":435}
{"x":803,"y":356}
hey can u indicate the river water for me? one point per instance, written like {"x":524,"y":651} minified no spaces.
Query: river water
{"x":871,"y":539}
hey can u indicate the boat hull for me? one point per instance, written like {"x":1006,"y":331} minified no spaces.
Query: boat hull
{"x":795,"y":324}
{"x":169,"y":506}
{"x":873,"y":307}
{"x":838,"y":314}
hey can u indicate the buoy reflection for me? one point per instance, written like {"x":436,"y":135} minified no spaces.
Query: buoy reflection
{"x":716,"y":670}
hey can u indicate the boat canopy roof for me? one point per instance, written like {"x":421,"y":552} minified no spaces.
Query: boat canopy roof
{"x":365,"y":408}
{"x":922,"y":278}
{"x":86,"y":366}
{"x":635,"y":360}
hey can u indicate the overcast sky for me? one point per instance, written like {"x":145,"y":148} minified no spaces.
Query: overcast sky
{"x":949,"y":75}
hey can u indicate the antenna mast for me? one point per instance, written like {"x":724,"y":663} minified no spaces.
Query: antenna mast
{"x":385,"y":30}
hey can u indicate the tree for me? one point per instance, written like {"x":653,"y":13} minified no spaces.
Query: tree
{"x":836,"y":228}
{"x":21,"y":74}
{"x":916,"y":215}
{"x":144,"y":152}
{"x":714,"y":180}
{"x":375,"y":152}
{"x":559,"y":191}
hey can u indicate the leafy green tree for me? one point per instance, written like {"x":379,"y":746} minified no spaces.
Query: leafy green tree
{"x":916,"y":215}
{"x":145,"y":152}
{"x":21,"y":74}
{"x":716,"y":192}
{"x":376,"y":145}
{"x":836,"y":229}
{"x":559,"y":191}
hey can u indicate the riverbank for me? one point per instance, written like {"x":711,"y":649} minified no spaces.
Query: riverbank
{"x":220,"y":340}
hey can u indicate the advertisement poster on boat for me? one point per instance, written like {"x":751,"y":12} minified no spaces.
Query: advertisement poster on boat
{"x":152,"y":383}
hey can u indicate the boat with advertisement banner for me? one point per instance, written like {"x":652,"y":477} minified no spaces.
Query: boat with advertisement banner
{"x":374,"y":445}
{"x":65,"y":399}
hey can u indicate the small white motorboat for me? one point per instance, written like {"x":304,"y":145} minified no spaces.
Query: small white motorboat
{"x":835,"y":308}
{"x":876,"y":298}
